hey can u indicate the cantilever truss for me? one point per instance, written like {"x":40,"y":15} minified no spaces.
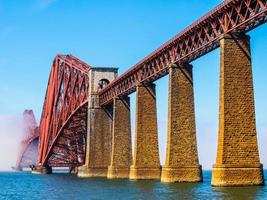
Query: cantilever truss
{"x":64,"y":117}
{"x":232,"y":16}
{"x":29,"y":144}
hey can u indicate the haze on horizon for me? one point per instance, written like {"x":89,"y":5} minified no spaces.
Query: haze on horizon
{"x":111,"y":33}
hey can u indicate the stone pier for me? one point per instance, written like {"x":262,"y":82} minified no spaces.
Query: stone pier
{"x":121,"y":157}
{"x":181,"y":163}
{"x":237,"y":160}
{"x":146,"y":163}
{"x":42,"y":170}
{"x":99,"y":144}
{"x":99,"y":126}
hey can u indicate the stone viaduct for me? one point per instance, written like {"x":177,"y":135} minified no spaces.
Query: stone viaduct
{"x":105,"y":106}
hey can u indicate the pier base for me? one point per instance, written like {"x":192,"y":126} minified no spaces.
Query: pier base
{"x":237,"y":176}
{"x":145,"y":173}
{"x":181,"y":174}
{"x":42,"y":170}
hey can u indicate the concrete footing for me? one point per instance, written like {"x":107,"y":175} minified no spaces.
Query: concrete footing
{"x":85,"y":172}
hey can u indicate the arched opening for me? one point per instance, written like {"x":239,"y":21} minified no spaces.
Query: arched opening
{"x":103,"y":83}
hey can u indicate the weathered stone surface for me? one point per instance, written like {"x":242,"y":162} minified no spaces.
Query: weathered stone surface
{"x":99,"y":148}
{"x":237,"y":160}
{"x":99,"y":127}
{"x":146,"y":164}
{"x":181,"y":163}
{"x":237,"y":176}
{"x":121,"y":157}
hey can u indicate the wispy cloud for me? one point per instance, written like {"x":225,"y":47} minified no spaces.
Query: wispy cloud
{"x":11,"y":132}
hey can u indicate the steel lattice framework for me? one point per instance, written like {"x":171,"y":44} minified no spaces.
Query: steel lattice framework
{"x":28,"y":149}
{"x":232,"y":16}
{"x":64,"y":118}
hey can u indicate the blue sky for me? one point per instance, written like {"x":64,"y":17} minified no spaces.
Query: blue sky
{"x":110,"y":33}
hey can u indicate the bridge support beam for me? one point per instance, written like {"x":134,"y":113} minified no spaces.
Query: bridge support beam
{"x":181,"y":163}
{"x":121,"y":157}
{"x":98,"y":150}
{"x":146,"y":164}
{"x":237,"y":154}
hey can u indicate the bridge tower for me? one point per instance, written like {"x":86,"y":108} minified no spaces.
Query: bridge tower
{"x":99,"y":125}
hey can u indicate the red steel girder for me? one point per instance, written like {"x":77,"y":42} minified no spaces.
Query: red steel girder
{"x":65,"y":106}
{"x":231,"y":16}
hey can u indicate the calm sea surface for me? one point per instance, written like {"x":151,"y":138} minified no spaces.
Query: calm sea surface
{"x":64,"y":186}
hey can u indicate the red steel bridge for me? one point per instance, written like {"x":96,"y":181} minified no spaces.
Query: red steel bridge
{"x":28,"y":150}
{"x":64,"y":116}
{"x":64,"y":119}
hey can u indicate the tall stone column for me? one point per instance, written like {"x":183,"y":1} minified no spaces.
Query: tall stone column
{"x":121,"y":156}
{"x":146,"y":163}
{"x":99,"y":143}
{"x":237,"y":154}
{"x":181,"y":163}
{"x":99,"y":125}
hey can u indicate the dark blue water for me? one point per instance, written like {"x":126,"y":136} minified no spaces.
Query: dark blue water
{"x":64,"y":186}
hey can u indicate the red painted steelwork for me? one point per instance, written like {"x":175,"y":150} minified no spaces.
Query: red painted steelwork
{"x":64,"y":117}
{"x":31,"y":131}
{"x":232,"y":16}
{"x":63,"y":122}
